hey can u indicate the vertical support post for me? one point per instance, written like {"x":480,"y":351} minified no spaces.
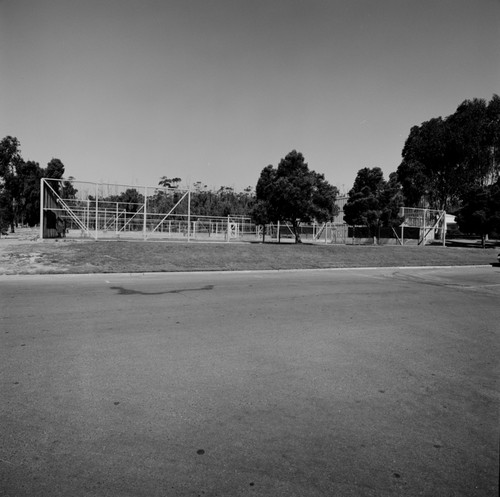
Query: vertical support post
{"x":444,"y":229}
{"x":228,"y":229}
{"x":189,"y":215}
{"x":423,"y":237}
{"x":403,"y":227}
{"x":41,"y":207}
{"x":145,"y":214}
{"x":96,"y":208}
{"x":116,"y":219}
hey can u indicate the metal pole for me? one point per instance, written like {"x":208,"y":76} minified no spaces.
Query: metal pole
{"x":423,"y":237}
{"x":444,"y":229}
{"x":145,"y":207}
{"x":189,"y":215}
{"x":41,"y":208}
{"x":96,"y":208}
{"x":403,"y":228}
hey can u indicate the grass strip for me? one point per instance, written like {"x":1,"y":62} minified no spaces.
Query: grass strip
{"x":137,"y":256}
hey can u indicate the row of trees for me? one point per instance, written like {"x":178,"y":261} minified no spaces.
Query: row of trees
{"x":220,"y":203}
{"x":20,"y":191}
{"x":20,"y":185}
{"x":205,"y":202}
{"x":450,"y":163}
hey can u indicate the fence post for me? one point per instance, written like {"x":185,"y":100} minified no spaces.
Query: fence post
{"x":403,"y":227}
{"x":423,"y":237}
{"x":41,"y":208}
{"x":96,"y":208}
{"x":444,"y":229}
{"x":145,"y":214}
{"x":189,"y":215}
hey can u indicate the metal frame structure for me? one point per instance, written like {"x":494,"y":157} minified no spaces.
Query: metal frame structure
{"x":100,"y":211}
{"x":104,"y":211}
{"x":431,"y":222}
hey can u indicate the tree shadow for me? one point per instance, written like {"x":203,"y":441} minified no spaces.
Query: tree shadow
{"x":127,"y":291}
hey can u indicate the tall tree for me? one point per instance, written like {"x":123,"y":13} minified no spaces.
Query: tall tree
{"x":10,"y":161}
{"x":295,"y":194}
{"x":430,"y":169}
{"x":480,"y":212}
{"x":471,"y":141}
{"x":443,"y":158}
{"x":28,"y":175}
{"x":373,"y":202}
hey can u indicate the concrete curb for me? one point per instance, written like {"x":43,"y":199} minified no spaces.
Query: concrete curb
{"x":243,"y":271}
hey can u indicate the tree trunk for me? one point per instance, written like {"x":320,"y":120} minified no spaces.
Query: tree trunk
{"x":295,"y":227}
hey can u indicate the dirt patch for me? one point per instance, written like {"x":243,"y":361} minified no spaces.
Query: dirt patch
{"x":31,"y":257}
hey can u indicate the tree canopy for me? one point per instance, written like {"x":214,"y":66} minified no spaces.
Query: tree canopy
{"x":292,"y":193}
{"x":373,"y":202}
{"x":445,"y":157}
{"x":20,"y":184}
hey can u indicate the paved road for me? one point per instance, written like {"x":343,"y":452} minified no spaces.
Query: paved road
{"x":318,"y":383}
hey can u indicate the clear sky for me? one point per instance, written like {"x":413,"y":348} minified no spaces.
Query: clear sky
{"x":128,"y":91}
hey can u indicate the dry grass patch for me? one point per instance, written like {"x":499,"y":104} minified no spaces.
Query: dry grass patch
{"x":127,"y":256}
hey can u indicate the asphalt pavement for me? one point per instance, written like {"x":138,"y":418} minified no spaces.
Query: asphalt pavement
{"x":372,"y":382}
